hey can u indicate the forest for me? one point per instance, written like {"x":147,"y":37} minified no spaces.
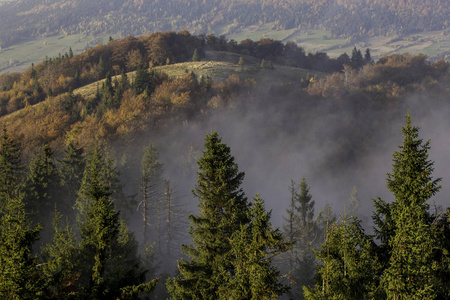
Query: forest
{"x":134,"y":191}
{"x":23,"y":20}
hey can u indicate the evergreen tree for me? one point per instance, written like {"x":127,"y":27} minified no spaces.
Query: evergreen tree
{"x":254,"y":248}
{"x":353,"y":202}
{"x":10,"y":168}
{"x":175,"y":225}
{"x":195,"y":56}
{"x":107,"y":248}
{"x":301,"y":229}
{"x":262,"y":65}
{"x":357,"y":58}
{"x":144,"y":81}
{"x":306,"y":234}
{"x":223,"y":209}
{"x":19,"y":276}
{"x":412,"y":269}
{"x":108,"y":176}
{"x":60,"y":261}
{"x":348,"y":268}
{"x":368,"y":57}
{"x":42,"y":186}
{"x":290,"y":226}
{"x":151,"y":192}
{"x":241,"y":62}
{"x":71,"y":172}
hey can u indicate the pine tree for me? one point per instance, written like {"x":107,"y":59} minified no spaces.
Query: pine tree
{"x":19,"y":276}
{"x":412,"y":268}
{"x":254,"y":248}
{"x":223,"y":209}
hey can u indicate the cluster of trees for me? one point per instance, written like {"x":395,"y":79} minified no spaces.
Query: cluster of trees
{"x":234,"y":252}
{"x":55,"y":76}
{"x":342,"y":18}
{"x":92,"y":254}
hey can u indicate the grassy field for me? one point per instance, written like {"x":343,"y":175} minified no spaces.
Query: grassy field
{"x":19,"y":57}
{"x":432,"y":43}
{"x":219,"y":66}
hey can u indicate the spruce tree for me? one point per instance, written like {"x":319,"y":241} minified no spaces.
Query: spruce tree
{"x":60,"y":261}
{"x":107,"y":249}
{"x":42,"y":188}
{"x":254,"y":247}
{"x":223,"y":209}
{"x":20,"y":278}
{"x":151,"y":193}
{"x":348,"y":268}
{"x":10,"y":168}
{"x":71,"y":173}
{"x":301,"y":229}
{"x":412,"y":269}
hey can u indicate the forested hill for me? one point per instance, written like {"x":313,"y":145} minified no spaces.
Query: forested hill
{"x":24,"y":19}
{"x":120,"y":127}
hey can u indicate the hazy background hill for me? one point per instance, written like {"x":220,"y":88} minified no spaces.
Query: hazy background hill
{"x":334,"y":26}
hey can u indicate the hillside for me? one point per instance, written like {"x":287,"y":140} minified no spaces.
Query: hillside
{"x":385,"y":26}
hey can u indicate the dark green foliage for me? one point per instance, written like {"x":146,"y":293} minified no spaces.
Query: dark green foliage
{"x":254,"y":247}
{"x":10,"y":168}
{"x":304,"y":233}
{"x":413,"y":247}
{"x":349,"y":267}
{"x":61,"y":262}
{"x":20,"y":278}
{"x":357,"y":60}
{"x":144,"y":81}
{"x":195,"y":56}
{"x":108,"y":176}
{"x":42,"y":186}
{"x":71,"y":171}
{"x":223,"y":209}
{"x":108,"y":250}
{"x":367,"y":57}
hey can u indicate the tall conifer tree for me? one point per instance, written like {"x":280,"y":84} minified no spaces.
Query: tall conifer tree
{"x":19,"y":276}
{"x":412,"y":268}
{"x":223,"y":209}
{"x":10,"y":168}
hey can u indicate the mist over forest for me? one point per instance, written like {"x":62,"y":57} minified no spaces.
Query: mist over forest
{"x":97,"y":134}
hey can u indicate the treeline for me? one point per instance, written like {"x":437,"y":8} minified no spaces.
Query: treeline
{"x":22,"y":20}
{"x":64,"y":73}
